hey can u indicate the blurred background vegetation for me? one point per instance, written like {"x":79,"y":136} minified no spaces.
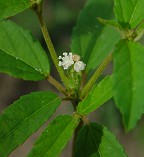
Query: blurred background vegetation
{"x":60,"y":16}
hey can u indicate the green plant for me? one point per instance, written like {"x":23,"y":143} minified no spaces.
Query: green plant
{"x":96,"y":41}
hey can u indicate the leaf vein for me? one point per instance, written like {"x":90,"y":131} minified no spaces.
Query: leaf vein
{"x":20,"y":124}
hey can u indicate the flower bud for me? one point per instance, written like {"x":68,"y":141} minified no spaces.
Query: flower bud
{"x":76,"y":58}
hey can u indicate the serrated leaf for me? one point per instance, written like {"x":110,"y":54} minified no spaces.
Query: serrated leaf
{"x":12,"y":7}
{"x":92,"y":40}
{"x":128,"y":81}
{"x":17,"y":68}
{"x":95,"y":140}
{"x":99,"y":94}
{"x":129,"y":13}
{"x":20,"y":55}
{"x":55,"y":137}
{"x":24,"y":117}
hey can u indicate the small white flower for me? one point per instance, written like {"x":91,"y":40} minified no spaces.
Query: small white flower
{"x":66,"y":61}
{"x":79,"y":66}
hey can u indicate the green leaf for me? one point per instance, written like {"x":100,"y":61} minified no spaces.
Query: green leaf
{"x":24,"y":117}
{"x":99,"y":94}
{"x":12,"y":7}
{"x":17,"y":68}
{"x":95,"y":140}
{"x":20,"y":55}
{"x":92,"y":40}
{"x":129,"y":13}
{"x":128,"y":81}
{"x":55,"y":137}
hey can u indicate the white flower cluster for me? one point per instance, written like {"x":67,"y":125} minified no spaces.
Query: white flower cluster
{"x":70,"y":59}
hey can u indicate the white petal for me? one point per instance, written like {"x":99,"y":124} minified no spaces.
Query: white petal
{"x":60,"y":63}
{"x":60,"y":57}
{"x":79,"y":66}
{"x":65,"y":53}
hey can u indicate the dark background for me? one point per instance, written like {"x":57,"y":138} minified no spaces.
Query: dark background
{"x":60,"y":16}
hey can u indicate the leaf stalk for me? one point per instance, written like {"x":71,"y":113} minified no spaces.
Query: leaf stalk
{"x":56,"y":84}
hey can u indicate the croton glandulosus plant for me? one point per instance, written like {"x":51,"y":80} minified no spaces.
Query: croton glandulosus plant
{"x":106,"y":31}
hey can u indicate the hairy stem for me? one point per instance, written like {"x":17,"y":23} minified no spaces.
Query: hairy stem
{"x":55,"y":83}
{"x":85,"y":120}
{"x":38,"y":11}
{"x":83,"y":80}
{"x":96,"y":75}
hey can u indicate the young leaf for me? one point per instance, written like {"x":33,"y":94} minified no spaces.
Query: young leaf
{"x":129,"y":12}
{"x":97,"y":96}
{"x":92,"y":40}
{"x":55,"y":137}
{"x":20,"y":55}
{"x":95,"y":140}
{"x":128,"y":81}
{"x":24,"y":117}
{"x":12,"y":7}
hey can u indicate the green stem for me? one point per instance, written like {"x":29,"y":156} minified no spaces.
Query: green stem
{"x":83,"y":79}
{"x":85,"y":120}
{"x":95,"y":76}
{"x":57,"y":84}
{"x":38,"y":11}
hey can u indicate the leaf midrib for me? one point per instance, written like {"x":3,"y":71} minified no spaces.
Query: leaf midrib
{"x":59,"y":137}
{"x":11,"y":41}
{"x":21,"y":61}
{"x":134,"y":10}
{"x":19,"y":58}
{"x":95,"y":141}
{"x":20,"y":124}
{"x":132,"y":78}
{"x":91,"y":104}
{"x":18,"y":68}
